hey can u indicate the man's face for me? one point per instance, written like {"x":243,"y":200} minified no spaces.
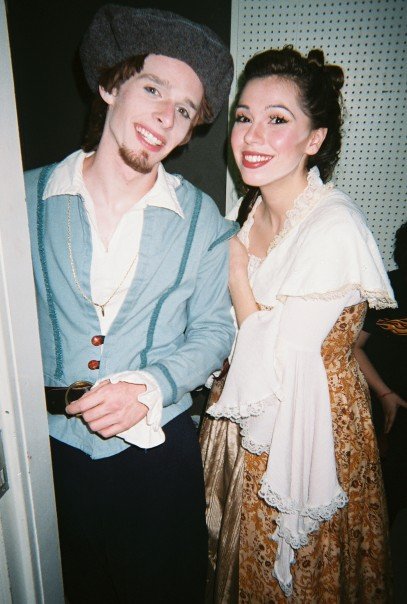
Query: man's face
{"x":151,"y":113}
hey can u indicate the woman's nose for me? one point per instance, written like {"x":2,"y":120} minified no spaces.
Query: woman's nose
{"x":254,"y":134}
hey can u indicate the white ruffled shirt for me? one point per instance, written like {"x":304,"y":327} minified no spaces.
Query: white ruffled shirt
{"x":108,"y":266}
{"x":324,"y":259}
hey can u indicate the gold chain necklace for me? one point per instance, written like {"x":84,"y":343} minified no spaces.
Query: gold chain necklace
{"x":73,"y":269}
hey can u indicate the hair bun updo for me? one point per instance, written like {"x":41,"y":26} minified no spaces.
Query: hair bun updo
{"x":333,"y":72}
{"x":319,"y":87}
{"x":316,"y":55}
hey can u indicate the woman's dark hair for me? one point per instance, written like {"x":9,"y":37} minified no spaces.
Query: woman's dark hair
{"x":400,"y":248}
{"x":112,"y":78}
{"x":319,"y":88}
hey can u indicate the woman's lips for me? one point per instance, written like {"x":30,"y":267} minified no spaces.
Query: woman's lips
{"x":255,"y":160}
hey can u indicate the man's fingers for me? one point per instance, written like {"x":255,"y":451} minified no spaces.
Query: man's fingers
{"x":111,"y":431}
{"x":95,"y":389}
{"x":104,"y":423}
{"x":95,"y":413}
{"x":87,"y":401}
{"x":110,"y":408}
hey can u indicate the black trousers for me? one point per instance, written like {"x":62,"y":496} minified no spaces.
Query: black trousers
{"x":132,"y":526}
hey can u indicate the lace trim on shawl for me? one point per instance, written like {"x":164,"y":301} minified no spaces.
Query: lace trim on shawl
{"x":296,"y":541}
{"x":376,"y":299}
{"x":239,"y":412}
{"x":289,"y":506}
{"x":305,"y":201}
{"x":235,"y":415}
{"x":314,"y":516}
{"x":302,"y":205}
{"x":286,"y":587}
{"x":251,"y":445}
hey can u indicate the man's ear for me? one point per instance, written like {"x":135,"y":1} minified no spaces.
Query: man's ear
{"x":108,"y":97}
{"x":317,"y":137}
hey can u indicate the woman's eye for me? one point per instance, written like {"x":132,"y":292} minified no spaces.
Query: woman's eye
{"x":277,"y":119}
{"x":241,"y":119}
{"x":184,"y":113}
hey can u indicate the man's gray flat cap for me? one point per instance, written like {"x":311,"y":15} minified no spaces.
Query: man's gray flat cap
{"x":120,"y":32}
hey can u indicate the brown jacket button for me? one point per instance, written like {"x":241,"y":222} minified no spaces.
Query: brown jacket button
{"x":97,"y":340}
{"x":94,"y":364}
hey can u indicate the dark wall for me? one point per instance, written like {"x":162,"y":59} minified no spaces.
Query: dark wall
{"x":52,"y":97}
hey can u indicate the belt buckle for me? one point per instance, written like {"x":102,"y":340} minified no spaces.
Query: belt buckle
{"x":76,"y":390}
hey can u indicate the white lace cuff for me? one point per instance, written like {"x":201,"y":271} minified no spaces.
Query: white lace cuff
{"x":147,"y":433}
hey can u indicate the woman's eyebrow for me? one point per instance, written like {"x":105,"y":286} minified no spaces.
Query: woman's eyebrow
{"x":280,"y":107}
{"x":241,"y":106}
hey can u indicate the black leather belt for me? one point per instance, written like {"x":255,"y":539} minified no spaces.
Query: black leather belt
{"x":58,"y":398}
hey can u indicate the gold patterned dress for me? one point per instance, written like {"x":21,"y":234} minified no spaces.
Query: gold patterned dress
{"x":345,"y":560}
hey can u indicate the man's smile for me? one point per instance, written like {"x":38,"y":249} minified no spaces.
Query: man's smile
{"x":149,"y":138}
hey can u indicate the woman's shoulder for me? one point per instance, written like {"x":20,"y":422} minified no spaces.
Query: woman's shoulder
{"x":336,"y":211}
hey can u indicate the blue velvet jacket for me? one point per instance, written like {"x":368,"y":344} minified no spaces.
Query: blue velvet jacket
{"x":175,"y":321}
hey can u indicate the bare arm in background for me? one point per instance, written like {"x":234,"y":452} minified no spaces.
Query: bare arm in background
{"x":390,"y":400}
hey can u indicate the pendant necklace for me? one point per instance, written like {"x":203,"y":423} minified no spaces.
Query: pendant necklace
{"x":73,"y":269}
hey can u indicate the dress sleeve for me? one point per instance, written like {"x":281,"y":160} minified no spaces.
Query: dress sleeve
{"x":274,"y":349}
{"x":303,"y":417}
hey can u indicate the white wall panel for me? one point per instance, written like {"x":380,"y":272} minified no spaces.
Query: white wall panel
{"x":30,"y":570}
{"x":368,"y":39}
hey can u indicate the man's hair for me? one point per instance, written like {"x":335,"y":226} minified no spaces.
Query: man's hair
{"x":112,"y":78}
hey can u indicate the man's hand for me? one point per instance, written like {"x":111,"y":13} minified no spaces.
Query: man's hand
{"x":109,"y":408}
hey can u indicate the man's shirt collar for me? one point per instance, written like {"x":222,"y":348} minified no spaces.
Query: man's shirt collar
{"x":67,"y":179}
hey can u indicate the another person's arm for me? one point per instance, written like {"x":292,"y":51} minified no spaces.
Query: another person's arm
{"x":389,"y":400}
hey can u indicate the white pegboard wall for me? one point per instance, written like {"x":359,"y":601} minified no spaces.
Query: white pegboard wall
{"x":367,"y":38}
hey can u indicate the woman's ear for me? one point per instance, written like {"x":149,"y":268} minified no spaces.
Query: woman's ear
{"x":108,"y":97}
{"x":316,"y":139}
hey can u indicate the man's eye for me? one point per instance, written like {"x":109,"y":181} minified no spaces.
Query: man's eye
{"x":151,"y":90}
{"x":184,"y":113}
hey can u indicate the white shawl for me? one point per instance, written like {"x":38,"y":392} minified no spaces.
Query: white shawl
{"x":324,"y":252}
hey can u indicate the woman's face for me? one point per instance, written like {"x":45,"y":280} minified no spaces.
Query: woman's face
{"x":272,"y":136}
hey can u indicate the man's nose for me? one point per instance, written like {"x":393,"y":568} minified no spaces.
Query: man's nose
{"x":165,"y":114}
